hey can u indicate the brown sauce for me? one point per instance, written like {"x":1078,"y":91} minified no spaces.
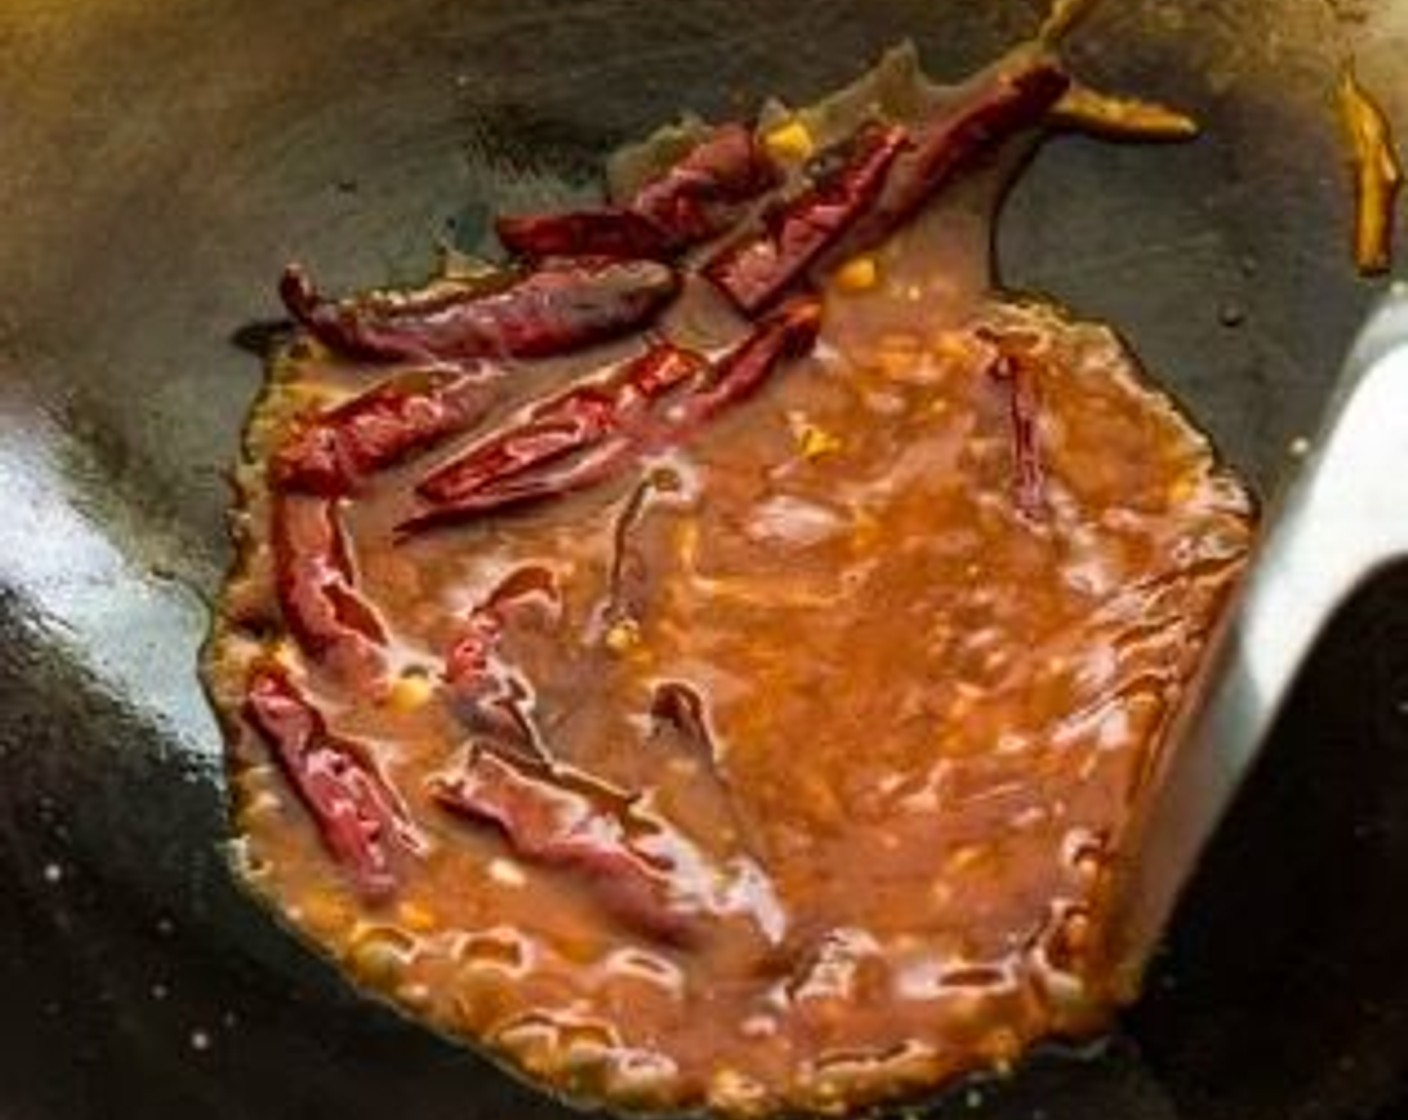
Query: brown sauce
{"x":860,"y":728}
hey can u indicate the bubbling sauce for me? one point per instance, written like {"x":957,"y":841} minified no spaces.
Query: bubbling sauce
{"x":794,"y":759}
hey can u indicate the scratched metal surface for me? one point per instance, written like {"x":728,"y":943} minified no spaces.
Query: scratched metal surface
{"x":159,"y":162}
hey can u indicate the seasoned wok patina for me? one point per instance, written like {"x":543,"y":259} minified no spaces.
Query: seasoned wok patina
{"x":745,"y":713}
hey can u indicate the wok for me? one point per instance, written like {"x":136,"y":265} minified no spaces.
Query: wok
{"x":160,"y":162}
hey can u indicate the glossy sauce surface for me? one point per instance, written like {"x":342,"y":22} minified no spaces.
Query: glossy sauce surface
{"x":858,"y":726}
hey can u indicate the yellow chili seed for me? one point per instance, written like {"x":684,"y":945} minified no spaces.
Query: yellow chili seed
{"x":1182,"y":490}
{"x":859,"y":274}
{"x":962,"y":858}
{"x":410,"y":692}
{"x":814,"y":442}
{"x":415,"y":917}
{"x":623,"y":635}
{"x":790,"y":141}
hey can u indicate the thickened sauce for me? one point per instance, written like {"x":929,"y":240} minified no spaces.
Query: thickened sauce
{"x":799,"y":752}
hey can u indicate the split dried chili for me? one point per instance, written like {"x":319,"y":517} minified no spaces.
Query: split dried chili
{"x":755,"y":272}
{"x":595,"y":430}
{"x":697,"y":199}
{"x":333,"y":451}
{"x":787,"y":334}
{"x":559,"y":307}
{"x":1002,"y":103}
{"x":1017,"y":375}
{"x":361,"y":821}
{"x":565,"y":443}
{"x":317,"y":591}
{"x":558,"y":818}
{"x":628,"y":573}
{"x":489,"y":695}
{"x":701,"y":196}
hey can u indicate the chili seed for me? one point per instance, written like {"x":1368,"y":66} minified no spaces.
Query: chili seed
{"x":791,"y":141}
{"x":860,"y":274}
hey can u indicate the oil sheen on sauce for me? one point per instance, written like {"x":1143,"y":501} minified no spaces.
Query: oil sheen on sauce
{"x":872,"y":728}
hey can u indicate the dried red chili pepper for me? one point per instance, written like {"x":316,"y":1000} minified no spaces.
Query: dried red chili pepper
{"x":1003,"y":103}
{"x":680,"y":706}
{"x":703,"y":194}
{"x":787,"y":334}
{"x":756,"y":272}
{"x":611,"y":231}
{"x":1023,"y":408}
{"x":556,"y":817}
{"x":361,"y":821}
{"x":599,"y":428}
{"x":317,"y":592}
{"x":694,"y":201}
{"x":594,"y":421}
{"x":627,"y":575}
{"x":333,"y":451}
{"x":678,"y":709}
{"x":489,"y":694}
{"x":558,"y":307}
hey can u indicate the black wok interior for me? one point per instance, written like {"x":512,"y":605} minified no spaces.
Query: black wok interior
{"x":158,"y":165}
